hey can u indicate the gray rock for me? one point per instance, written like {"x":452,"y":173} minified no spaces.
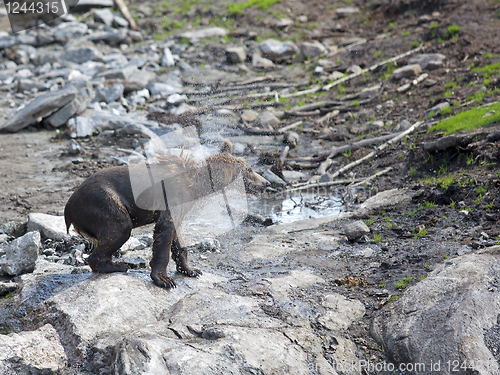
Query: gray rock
{"x":355,"y":230}
{"x":291,"y":138}
{"x":119,"y":21}
{"x":384,"y":199}
{"x":7,"y":41}
{"x":75,"y":107}
{"x":104,"y":16}
{"x":369,"y":92}
{"x":31,"y":40}
{"x":209,"y":244}
{"x":268,"y":120}
{"x":81,"y":127}
{"x":32,"y":352}
{"x":21,"y":254}
{"x":176,"y":99}
{"x":208,"y":32}
{"x":167,"y":59}
{"x":408,"y":71}
{"x":113,"y":38}
{"x":402,"y":126}
{"x":235,"y":55}
{"x":126,"y":73}
{"x":311,"y":50}
{"x":39,"y":108}
{"x":261,"y":62}
{"x":67,"y":31}
{"x":74,"y":147}
{"x":161,"y":89}
{"x":49,"y":226}
{"x":341,"y":312}
{"x":428,"y":60}
{"x":249,"y":115}
{"x":277,"y":51}
{"x":81,"y":55}
{"x":182,"y":108}
{"x":114,"y":93}
{"x":436,"y":109}
{"x":273,"y":179}
{"x":29,"y":85}
{"x":446,"y":317}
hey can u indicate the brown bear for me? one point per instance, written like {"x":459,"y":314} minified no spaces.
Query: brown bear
{"x":104,"y":208}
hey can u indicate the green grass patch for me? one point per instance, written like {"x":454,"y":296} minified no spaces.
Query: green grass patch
{"x":237,"y":9}
{"x":403,"y":283}
{"x":469,"y":120}
{"x":488,"y":70}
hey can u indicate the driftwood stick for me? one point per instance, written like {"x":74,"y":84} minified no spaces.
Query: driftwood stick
{"x":323,"y":184}
{"x":284,"y":154}
{"x":374,"y":152}
{"x":359,"y":144}
{"x":291,"y":126}
{"x":302,"y":114}
{"x":372,"y":177}
{"x":371,"y":68}
{"x":124,"y":9}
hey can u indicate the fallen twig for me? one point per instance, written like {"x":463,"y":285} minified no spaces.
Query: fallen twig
{"x":374,"y":152}
{"x":323,"y":184}
{"x":124,"y":9}
{"x":372,"y":177}
{"x":371,"y":68}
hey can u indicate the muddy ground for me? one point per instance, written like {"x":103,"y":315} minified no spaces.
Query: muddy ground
{"x":440,"y":222}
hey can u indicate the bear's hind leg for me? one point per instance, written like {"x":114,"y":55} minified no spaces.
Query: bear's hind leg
{"x":100,"y":260}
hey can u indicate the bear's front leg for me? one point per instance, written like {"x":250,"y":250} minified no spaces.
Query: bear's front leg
{"x":164,"y":234}
{"x":179,"y":255}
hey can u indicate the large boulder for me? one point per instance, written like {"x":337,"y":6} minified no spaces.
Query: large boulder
{"x":39,"y":108}
{"x":21,"y":254}
{"x":447,"y":318}
{"x":50,"y":226}
{"x":32,"y":352}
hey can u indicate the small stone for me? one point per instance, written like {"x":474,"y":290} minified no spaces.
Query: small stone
{"x":428,"y":61}
{"x":267,"y":120}
{"x":249,"y":116}
{"x":167,"y":59}
{"x":291,"y":139}
{"x":354,"y":69}
{"x":311,"y":50}
{"x":278,"y":51}
{"x":208,"y":32}
{"x":81,"y":55}
{"x":235,"y":55}
{"x":74,"y":147}
{"x":369,"y":92}
{"x":162,"y":89}
{"x":283,"y":23}
{"x":119,"y":21}
{"x":355,"y":230}
{"x":209,"y":244}
{"x":335,"y":75}
{"x":176,"y":99}
{"x":302,"y":18}
{"x":81,"y":127}
{"x":21,"y":254}
{"x":114,"y":93}
{"x":273,"y":179}
{"x":104,"y":16}
{"x":436,"y":109}
{"x":429,"y":82}
{"x":408,"y":71}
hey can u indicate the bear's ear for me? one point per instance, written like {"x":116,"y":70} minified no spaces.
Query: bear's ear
{"x":226,"y":147}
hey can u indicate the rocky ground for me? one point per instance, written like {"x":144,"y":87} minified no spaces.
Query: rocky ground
{"x":402,"y":277}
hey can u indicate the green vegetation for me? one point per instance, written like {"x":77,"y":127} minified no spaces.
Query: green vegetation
{"x":430,"y":204}
{"x":452,"y":32}
{"x":377,"y":237}
{"x":422,"y":277}
{"x":405,"y":33}
{"x":403,"y":283}
{"x":391,"y":67}
{"x":369,"y":222}
{"x":236,"y":9}
{"x":469,"y":120}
